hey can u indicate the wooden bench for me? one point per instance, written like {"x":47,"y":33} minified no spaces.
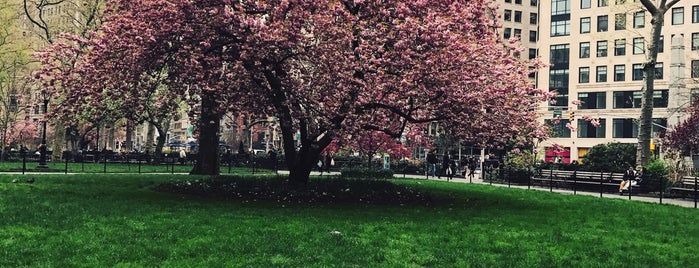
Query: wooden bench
{"x":685,"y":187}
{"x":581,"y":180}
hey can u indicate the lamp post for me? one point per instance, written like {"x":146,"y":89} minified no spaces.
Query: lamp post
{"x":42,"y":150}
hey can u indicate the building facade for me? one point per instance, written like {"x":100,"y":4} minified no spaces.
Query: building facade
{"x":520,"y":18}
{"x":596,"y":50}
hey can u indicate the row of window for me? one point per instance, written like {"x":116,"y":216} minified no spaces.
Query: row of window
{"x":677,"y":12}
{"x":621,"y":128}
{"x":585,"y":4}
{"x":639,"y":21}
{"x":621,"y":99}
{"x":509,"y":32}
{"x":519,"y":2}
{"x":638,"y":47}
{"x":619,"y":73}
{"x":560,"y":18}
{"x":507,"y":16}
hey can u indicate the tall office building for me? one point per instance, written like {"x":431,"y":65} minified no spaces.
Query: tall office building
{"x":520,"y":18}
{"x":596,"y":50}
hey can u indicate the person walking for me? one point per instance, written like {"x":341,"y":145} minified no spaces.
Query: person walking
{"x":432,"y":163}
{"x":445,"y":165}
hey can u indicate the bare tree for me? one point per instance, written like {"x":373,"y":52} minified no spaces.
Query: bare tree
{"x":644,"y":153}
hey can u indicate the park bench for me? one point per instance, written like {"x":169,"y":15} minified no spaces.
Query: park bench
{"x":579,"y":180}
{"x":685,"y":187}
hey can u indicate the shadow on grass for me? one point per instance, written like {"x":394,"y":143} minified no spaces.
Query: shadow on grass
{"x":332,"y":190}
{"x":318,"y":190}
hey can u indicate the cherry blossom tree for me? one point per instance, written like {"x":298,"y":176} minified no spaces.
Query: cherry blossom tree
{"x":324,"y":68}
{"x":684,"y":137}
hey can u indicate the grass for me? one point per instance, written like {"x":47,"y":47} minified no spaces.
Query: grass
{"x":96,"y":220}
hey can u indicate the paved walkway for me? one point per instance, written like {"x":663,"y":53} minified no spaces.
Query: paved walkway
{"x":673,"y":201}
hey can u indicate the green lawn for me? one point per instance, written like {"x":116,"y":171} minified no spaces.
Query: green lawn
{"x":96,"y":220}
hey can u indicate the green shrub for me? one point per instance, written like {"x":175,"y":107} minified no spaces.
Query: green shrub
{"x":612,"y":156}
{"x":655,"y":176}
{"x":518,"y":167}
{"x":363,"y":173}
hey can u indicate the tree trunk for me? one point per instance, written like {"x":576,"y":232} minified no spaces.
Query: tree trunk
{"x":643,"y":153}
{"x":128,"y":143}
{"x":150,"y":132}
{"x":209,"y":124}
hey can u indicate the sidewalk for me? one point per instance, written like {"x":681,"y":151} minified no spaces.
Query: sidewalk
{"x":673,"y":201}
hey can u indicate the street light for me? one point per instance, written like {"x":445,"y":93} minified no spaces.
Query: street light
{"x":42,"y":151}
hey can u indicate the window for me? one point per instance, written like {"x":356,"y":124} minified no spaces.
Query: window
{"x":585,"y":4}
{"x":508,"y":15}
{"x":602,"y":23}
{"x":638,"y":46}
{"x":659,"y":70}
{"x":659,"y":125}
{"x":587,"y":130}
{"x":695,"y":14}
{"x":661,"y":44}
{"x":660,"y":98}
{"x":601,"y":49}
{"x":559,"y":130}
{"x":624,"y":128}
{"x":628,"y":128}
{"x":601,"y":74}
{"x":677,"y":15}
{"x":518,"y":16}
{"x":584,"y":50}
{"x":592,"y":100}
{"x":620,"y":21}
{"x":533,"y":18}
{"x":602,"y":3}
{"x":517,"y":33}
{"x":560,"y":58}
{"x":693,"y":95}
{"x":585,"y":25}
{"x":560,"y":28}
{"x":620,"y":2}
{"x":627,"y":99}
{"x":508,"y":1}
{"x":695,"y":68}
{"x":14,"y":103}
{"x":534,"y":3}
{"x":620,"y":47}
{"x":532,"y":53}
{"x":695,"y":41}
{"x":639,"y":19}
{"x":532,"y":36}
{"x":637,"y":74}
{"x":619,"y":72}
{"x":558,"y":81}
{"x":507,"y":33}
{"x":519,"y":2}
{"x":560,"y":7}
{"x":584,"y":75}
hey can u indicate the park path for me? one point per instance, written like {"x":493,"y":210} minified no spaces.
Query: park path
{"x":634,"y":198}
{"x":673,"y":201}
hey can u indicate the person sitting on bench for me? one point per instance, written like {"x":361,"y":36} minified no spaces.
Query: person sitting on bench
{"x":631,"y":178}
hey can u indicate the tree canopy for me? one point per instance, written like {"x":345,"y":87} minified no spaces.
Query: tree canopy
{"x":327,"y":69}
